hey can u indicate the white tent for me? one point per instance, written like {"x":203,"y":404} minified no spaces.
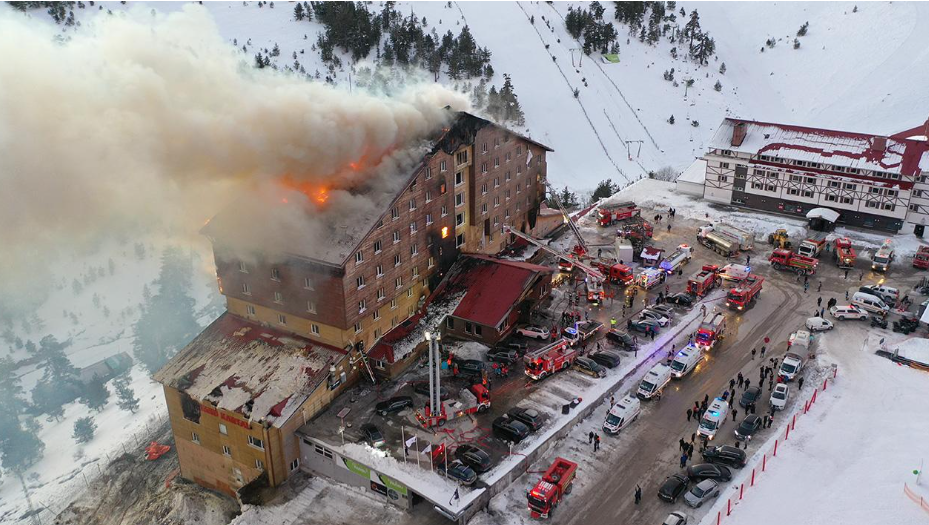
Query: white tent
{"x":823,"y":213}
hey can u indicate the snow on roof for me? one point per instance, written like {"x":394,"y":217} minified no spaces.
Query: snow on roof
{"x":915,"y":349}
{"x":695,"y":173}
{"x":494,"y":286}
{"x":841,"y":148}
{"x":823,"y":213}
{"x":260,"y":372}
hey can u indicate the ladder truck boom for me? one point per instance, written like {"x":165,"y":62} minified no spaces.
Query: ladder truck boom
{"x":567,"y":216}
{"x":589,"y":270}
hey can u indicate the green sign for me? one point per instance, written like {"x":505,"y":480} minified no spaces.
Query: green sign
{"x":357,"y":468}
{"x":391,"y":484}
{"x":612,"y":58}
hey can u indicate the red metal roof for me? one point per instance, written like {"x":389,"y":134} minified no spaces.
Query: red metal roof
{"x":493,"y":287}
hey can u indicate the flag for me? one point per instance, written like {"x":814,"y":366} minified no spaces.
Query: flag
{"x":455,"y":496}
{"x":428,"y":448}
{"x":411,"y":441}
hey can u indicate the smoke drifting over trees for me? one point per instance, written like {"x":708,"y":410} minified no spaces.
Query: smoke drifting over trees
{"x":142,"y":119}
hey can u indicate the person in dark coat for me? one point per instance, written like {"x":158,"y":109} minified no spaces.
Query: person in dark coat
{"x":731,"y":384}
{"x":748,"y":383}
{"x":741,"y":380}
{"x":706,"y":399}
{"x":681,"y":444}
{"x":590,"y":437}
{"x":800,"y":384}
{"x":734,"y":413}
{"x":596,"y":442}
{"x":638,"y":494}
{"x":689,"y":413}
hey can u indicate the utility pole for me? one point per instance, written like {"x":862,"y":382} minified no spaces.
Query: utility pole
{"x":580,"y":60}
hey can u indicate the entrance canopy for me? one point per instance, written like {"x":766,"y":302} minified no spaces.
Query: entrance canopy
{"x":823,"y":213}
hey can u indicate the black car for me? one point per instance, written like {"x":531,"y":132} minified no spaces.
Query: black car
{"x":529,"y":416}
{"x":750,"y":396}
{"x":501,"y":355}
{"x":725,"y":455}
{"x":509,"y":429}
{"x":681,"y":299}
{"x":469,"y":367}
{"x":422,"y":387}
{"x":372,"y":435}
{"x":702,"y":471}
{"x":459,"y":471}
{"x":748,"y":427}
{"x":474,"y":457}
{"x":672,"y":488}
{"x":621,"y":339}
{"x":646,"y":326}
{"x":519,"y":348}
{"x":606,"y":358}
{"x":588,"y":366}
{"x":394,"y":404}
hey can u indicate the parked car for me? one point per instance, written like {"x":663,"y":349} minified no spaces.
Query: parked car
{"x":656,"y":316}
{"x":750,"y":396}
{"x":510,"y":429}
{"x":372,"y":435}
{"x":885,"y":293}
{"x":474,"y":457}
{"x":748,"y":427}
{"x":725,"y":455}
{"x":848,"y":311}
{"x":818,"y":324}
{"x":779,"y":396}
{"x":422,"y":387}
{"x":536,"y":332}
{"x":518,"y":347}
{"x":702,"y":471}
{"x":681,"y":299}
{"x":469,"y":367}
{"x":675,"y":518}
{"x":645,"y":326}
{"x":500,"y":355}
{"x":672,"y":488}
{"x":703,"y":492}
{"x":621,"y":339}
{"x":588,"y":366}
{"x":663,"y":309}
{"x":606,"y":358}
{"x":528,"y":416}
{"x":459,"y":471}
{"x":394,"y":404}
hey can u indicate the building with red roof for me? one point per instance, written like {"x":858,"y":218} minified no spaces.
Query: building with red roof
{"x":872,"y":181}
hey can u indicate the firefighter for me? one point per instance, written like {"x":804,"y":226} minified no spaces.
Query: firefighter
{"x":613,"y":322}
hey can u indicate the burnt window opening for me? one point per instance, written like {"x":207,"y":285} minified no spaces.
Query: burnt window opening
{"x":190,"y":408}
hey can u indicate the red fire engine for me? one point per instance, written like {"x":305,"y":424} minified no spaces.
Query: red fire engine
{"x":703,"y":281}
{"x":787,"y":260}
{"x":746,"y":292}
{"x":476,"y":399}
{"x":844,"y":253}
{"x":550,"y":359}
{"x":616,"y":273}
{"x":557,"y":481}
{"x":921,"y":259}
{"x":611,"y":213}
{"x":711,"y":330}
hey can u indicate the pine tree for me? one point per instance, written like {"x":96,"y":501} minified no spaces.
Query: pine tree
{"x":604,"y":189}
{"x":84,"y":429}
{"x":718,"y":86}
{"x":511,"y":110}
{"x":95,"y":394}
{"x":803,"y":29}
{"x":126,"y":399}
{"x":60,"y":383}
{"x":299,"y":13}
{"x":671,"y":120}
{"x":722,"y":69}
{"x":796,"y":43}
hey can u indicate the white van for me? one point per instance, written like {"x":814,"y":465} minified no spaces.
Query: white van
{"x":735,"y":272}
{"x":791,"y":366}
{"x":622,"y":413}
{"x":654,"y":381}
{"x":686,"y":360}
{"x":871,"y":303}
{"x":713,"y":418}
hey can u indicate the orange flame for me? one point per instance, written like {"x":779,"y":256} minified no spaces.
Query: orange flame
{"x":318,"y":193}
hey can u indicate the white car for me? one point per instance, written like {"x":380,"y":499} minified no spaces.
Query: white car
{"x":534,"y":331}
{"x":886,"y":293}
{"x":675,"y":518}
{"x":848,"y":311}
{"x":656,"y":316}
{"x":779,"y":396}
{"x":818,"y":324}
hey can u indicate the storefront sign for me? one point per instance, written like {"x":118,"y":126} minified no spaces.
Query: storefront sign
{"x":357,"y":468}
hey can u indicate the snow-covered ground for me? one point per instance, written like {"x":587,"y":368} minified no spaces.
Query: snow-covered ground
{"x":847,"y":460}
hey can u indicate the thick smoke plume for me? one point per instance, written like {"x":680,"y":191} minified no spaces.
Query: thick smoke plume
{"x":141,"y":118}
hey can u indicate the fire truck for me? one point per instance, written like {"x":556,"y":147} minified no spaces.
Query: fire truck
{"x":921,"y":259}
{"x":844,"y":253}
{"x":475,"y":399}
{"x":788,"y":260}
{"x":549,"y":359}
{"x":581,"y":332}
{"x":881,"y":260}
{"x":711,"y":330}
{"x":678,"y":258}
{"x":615,"y":273}
{"x":703,"y":281}
{"x":611,"y":213}
{"x":557,"y":482}
{"x":745,"y":292}
{"x":651,"y":277}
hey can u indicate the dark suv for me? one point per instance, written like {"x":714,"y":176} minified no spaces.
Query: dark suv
{"x":529,"y":416}
{"x":510,"y":429}
{"x":672,"y":488}
{"x":394,"y":404}
{"x":474,"y":457}
{"x":469,"y":367}
{"x":725,"y":455}
{"x":502,"y":355}
{"x":621,"y":339}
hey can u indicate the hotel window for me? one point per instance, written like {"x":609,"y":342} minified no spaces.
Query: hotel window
{"x":496,"y":162}
{"x":360,"y":281}
{"x":396,"y":236}
{"x":308,"y":283}
{"x":508,"y":156}
{"x":379,"y":271}
{"x":461,"y":157}
{"x":496,"y":201}
{"x":508,"y":176}
{"x":281,"y":319}
{"x":459,"y":199}
{"x":358,"y":327}
{"x":833,"y":184}
{"x":519,"y":150}
{"x":428,"y":196}
{"x":450,"y":323}
{"x":444,"y":210}
{"x":497,"y":142}
{"x":483,"y":208}
{"x":414,"y":250}
{"x":380,"y":294}
{"x":411,"y":311}
{"x":428,"y":219}
{"x":195,"y":437}
{"x":484,"y":147}
{"x":518,"y":188}
{"x":459,"y":178}
{"x":431,"y":262}
{"x":409,"y":293}
{"x":848,"y":186}
{"x":506,"y":215}
{"x":249,"y":309}
{"x":724,"y":165}
{"x":245,"y":289}
{"x":412,"y":204}
{"x":428,"y":173}
{"x":393,"y":305}
{"x":295,"y":464}
{"x":507,"y":194}
{"x":242,"y":267}
{"x":255,"y":442}
{"x":723,"y":178}
{"x":275,"y":274}
{"x":413,"y":184}
{"x":398,"y":282}
{"x":811,"y":180}
{"x":808,"y":194}
{"x":395,"y":213}
{"x":397,"y":260}
{"x":314,"y":329}
{"x":442,"y":166}
{"x":483,"y":167}
{"x":519,"y":169}
{"x":377,"y":331}
{"x":311,"y":307}
{"x":362,"y":306}
{"x":847,"y":200}
{"x":227,"y":451}
{"x":460,"y":240}
{"x":484,"y":189}
{"x":259,"y":464}
{"x":793,"y":191}
{"x":831,"y":198}
{"x":459,"y":219}
{"x":413,"y":228}
{"x":415,"y":272}
{"x":278,"y":298}
{"x":377,"y":247}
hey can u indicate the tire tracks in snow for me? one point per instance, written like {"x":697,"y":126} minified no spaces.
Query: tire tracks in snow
{"x":593,"y":128}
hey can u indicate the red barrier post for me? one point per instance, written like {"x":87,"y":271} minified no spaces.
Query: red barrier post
{"x":728,"y":507}
{"x":793,"y":424}
{"x":775,"y":448}
{"x":764,"y":462}
{"x":835,"y":372}
{"x":741,"y":491}
{"x":753,"y":478}
{"x":814,"y":397}
{"x":787,"y":435}
{"x":719,"y":517}
{"x":806,"y":406}
{"x":825,"y":382}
